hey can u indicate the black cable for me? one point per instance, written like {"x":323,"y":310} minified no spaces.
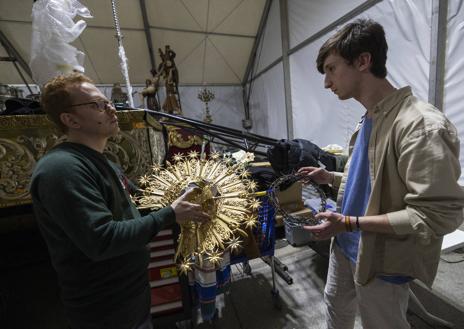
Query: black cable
{"x":228,"y":135}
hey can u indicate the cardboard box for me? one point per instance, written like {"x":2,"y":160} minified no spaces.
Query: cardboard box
{"x":291,"y":199}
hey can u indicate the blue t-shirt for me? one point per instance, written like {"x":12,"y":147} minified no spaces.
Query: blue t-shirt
{"x":356,"y":197}
{"x":357,"y":190}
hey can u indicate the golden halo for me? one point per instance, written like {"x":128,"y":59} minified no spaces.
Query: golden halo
{"x":223,"y":191}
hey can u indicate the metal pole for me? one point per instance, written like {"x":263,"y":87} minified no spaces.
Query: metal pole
{"x":286,"y":66}
{"x":12,"y":52}
{"x":246,"y":93}
{"x":438,"y":52}
{"x":345,"y":18}
{"x":122,"y":54}
{"x":146,"y":27}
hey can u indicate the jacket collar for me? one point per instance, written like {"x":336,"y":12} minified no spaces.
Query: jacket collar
{"x":389,"y":102}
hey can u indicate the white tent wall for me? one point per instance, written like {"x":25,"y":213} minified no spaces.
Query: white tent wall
{"x":226,"y":108}
{"x":307,"y":17}
{"x":267,"y":100}
{"x":318,"y":115}
{"x":270,"y":44}
{"x":268,"y":104}
{"x":454,"y":71}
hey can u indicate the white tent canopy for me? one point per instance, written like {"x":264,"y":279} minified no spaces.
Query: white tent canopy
{"x":211,"y":46}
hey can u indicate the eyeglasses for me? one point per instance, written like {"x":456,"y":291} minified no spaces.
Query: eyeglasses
{"x":100,"y":105}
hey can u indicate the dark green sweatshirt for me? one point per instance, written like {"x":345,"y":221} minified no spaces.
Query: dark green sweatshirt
{"x":95,"y":235}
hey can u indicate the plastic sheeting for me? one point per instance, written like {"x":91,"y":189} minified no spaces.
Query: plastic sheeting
{"x":454,"y":71}
{"x":318,"y":115}
{"x":53,"y":29}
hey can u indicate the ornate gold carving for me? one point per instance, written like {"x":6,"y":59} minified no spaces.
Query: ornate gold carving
{"x":182,"y":140}
{"x":130,"y":149}
{"x":157,"y":146}
{"x":16,"y":168}
{"x":26,"y":138}
{"x":24,"y":122}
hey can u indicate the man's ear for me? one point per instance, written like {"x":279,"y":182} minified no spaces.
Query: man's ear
{"x":364,"y":61}
{"x":69,"y":120}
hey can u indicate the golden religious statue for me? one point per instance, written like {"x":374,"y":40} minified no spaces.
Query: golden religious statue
{"x":151,"y":91}
{"x":117,"y":95}
{"x":168,"y":71}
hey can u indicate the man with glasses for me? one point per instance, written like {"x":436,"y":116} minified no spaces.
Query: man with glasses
{"x":95,"y":235}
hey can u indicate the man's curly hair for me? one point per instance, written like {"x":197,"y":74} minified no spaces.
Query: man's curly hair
{"x":56,"y":97}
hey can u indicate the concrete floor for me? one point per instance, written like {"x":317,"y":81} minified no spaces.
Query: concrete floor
{"x":29,"y":294}
{"x":249,"y":303}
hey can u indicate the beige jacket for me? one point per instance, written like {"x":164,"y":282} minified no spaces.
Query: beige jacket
{"x":414,"y":167}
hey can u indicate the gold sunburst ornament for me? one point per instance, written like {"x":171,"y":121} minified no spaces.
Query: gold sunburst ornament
{"x":223,"y":190}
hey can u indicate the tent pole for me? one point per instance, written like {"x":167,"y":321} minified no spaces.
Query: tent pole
{"x":246,"y":93}
{"x":286,"y":66}
{"x":438,"y":52}
{"x":342,"y":20}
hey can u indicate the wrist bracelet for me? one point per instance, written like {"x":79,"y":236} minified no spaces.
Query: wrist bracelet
{"x":348,"y":224}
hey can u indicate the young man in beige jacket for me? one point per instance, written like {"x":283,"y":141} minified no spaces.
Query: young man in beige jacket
{"x":398,"y":195}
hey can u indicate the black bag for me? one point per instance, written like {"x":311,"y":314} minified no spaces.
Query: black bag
{"x":288,"y":156}
{"x":20,"y":106}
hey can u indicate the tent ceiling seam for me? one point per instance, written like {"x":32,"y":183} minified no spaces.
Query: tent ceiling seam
{"x":191,"y":15}
{"x":227,"y":15}
{"x":139,"y":29}
{"x":224,"y":59}
{"x":90,"y":59}
{"x":203,"y":64}
{"x":202,"y":32}
{"x":181,"y":61}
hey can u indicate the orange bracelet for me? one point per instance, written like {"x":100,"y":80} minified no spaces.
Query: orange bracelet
{"x":348,"y":224}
